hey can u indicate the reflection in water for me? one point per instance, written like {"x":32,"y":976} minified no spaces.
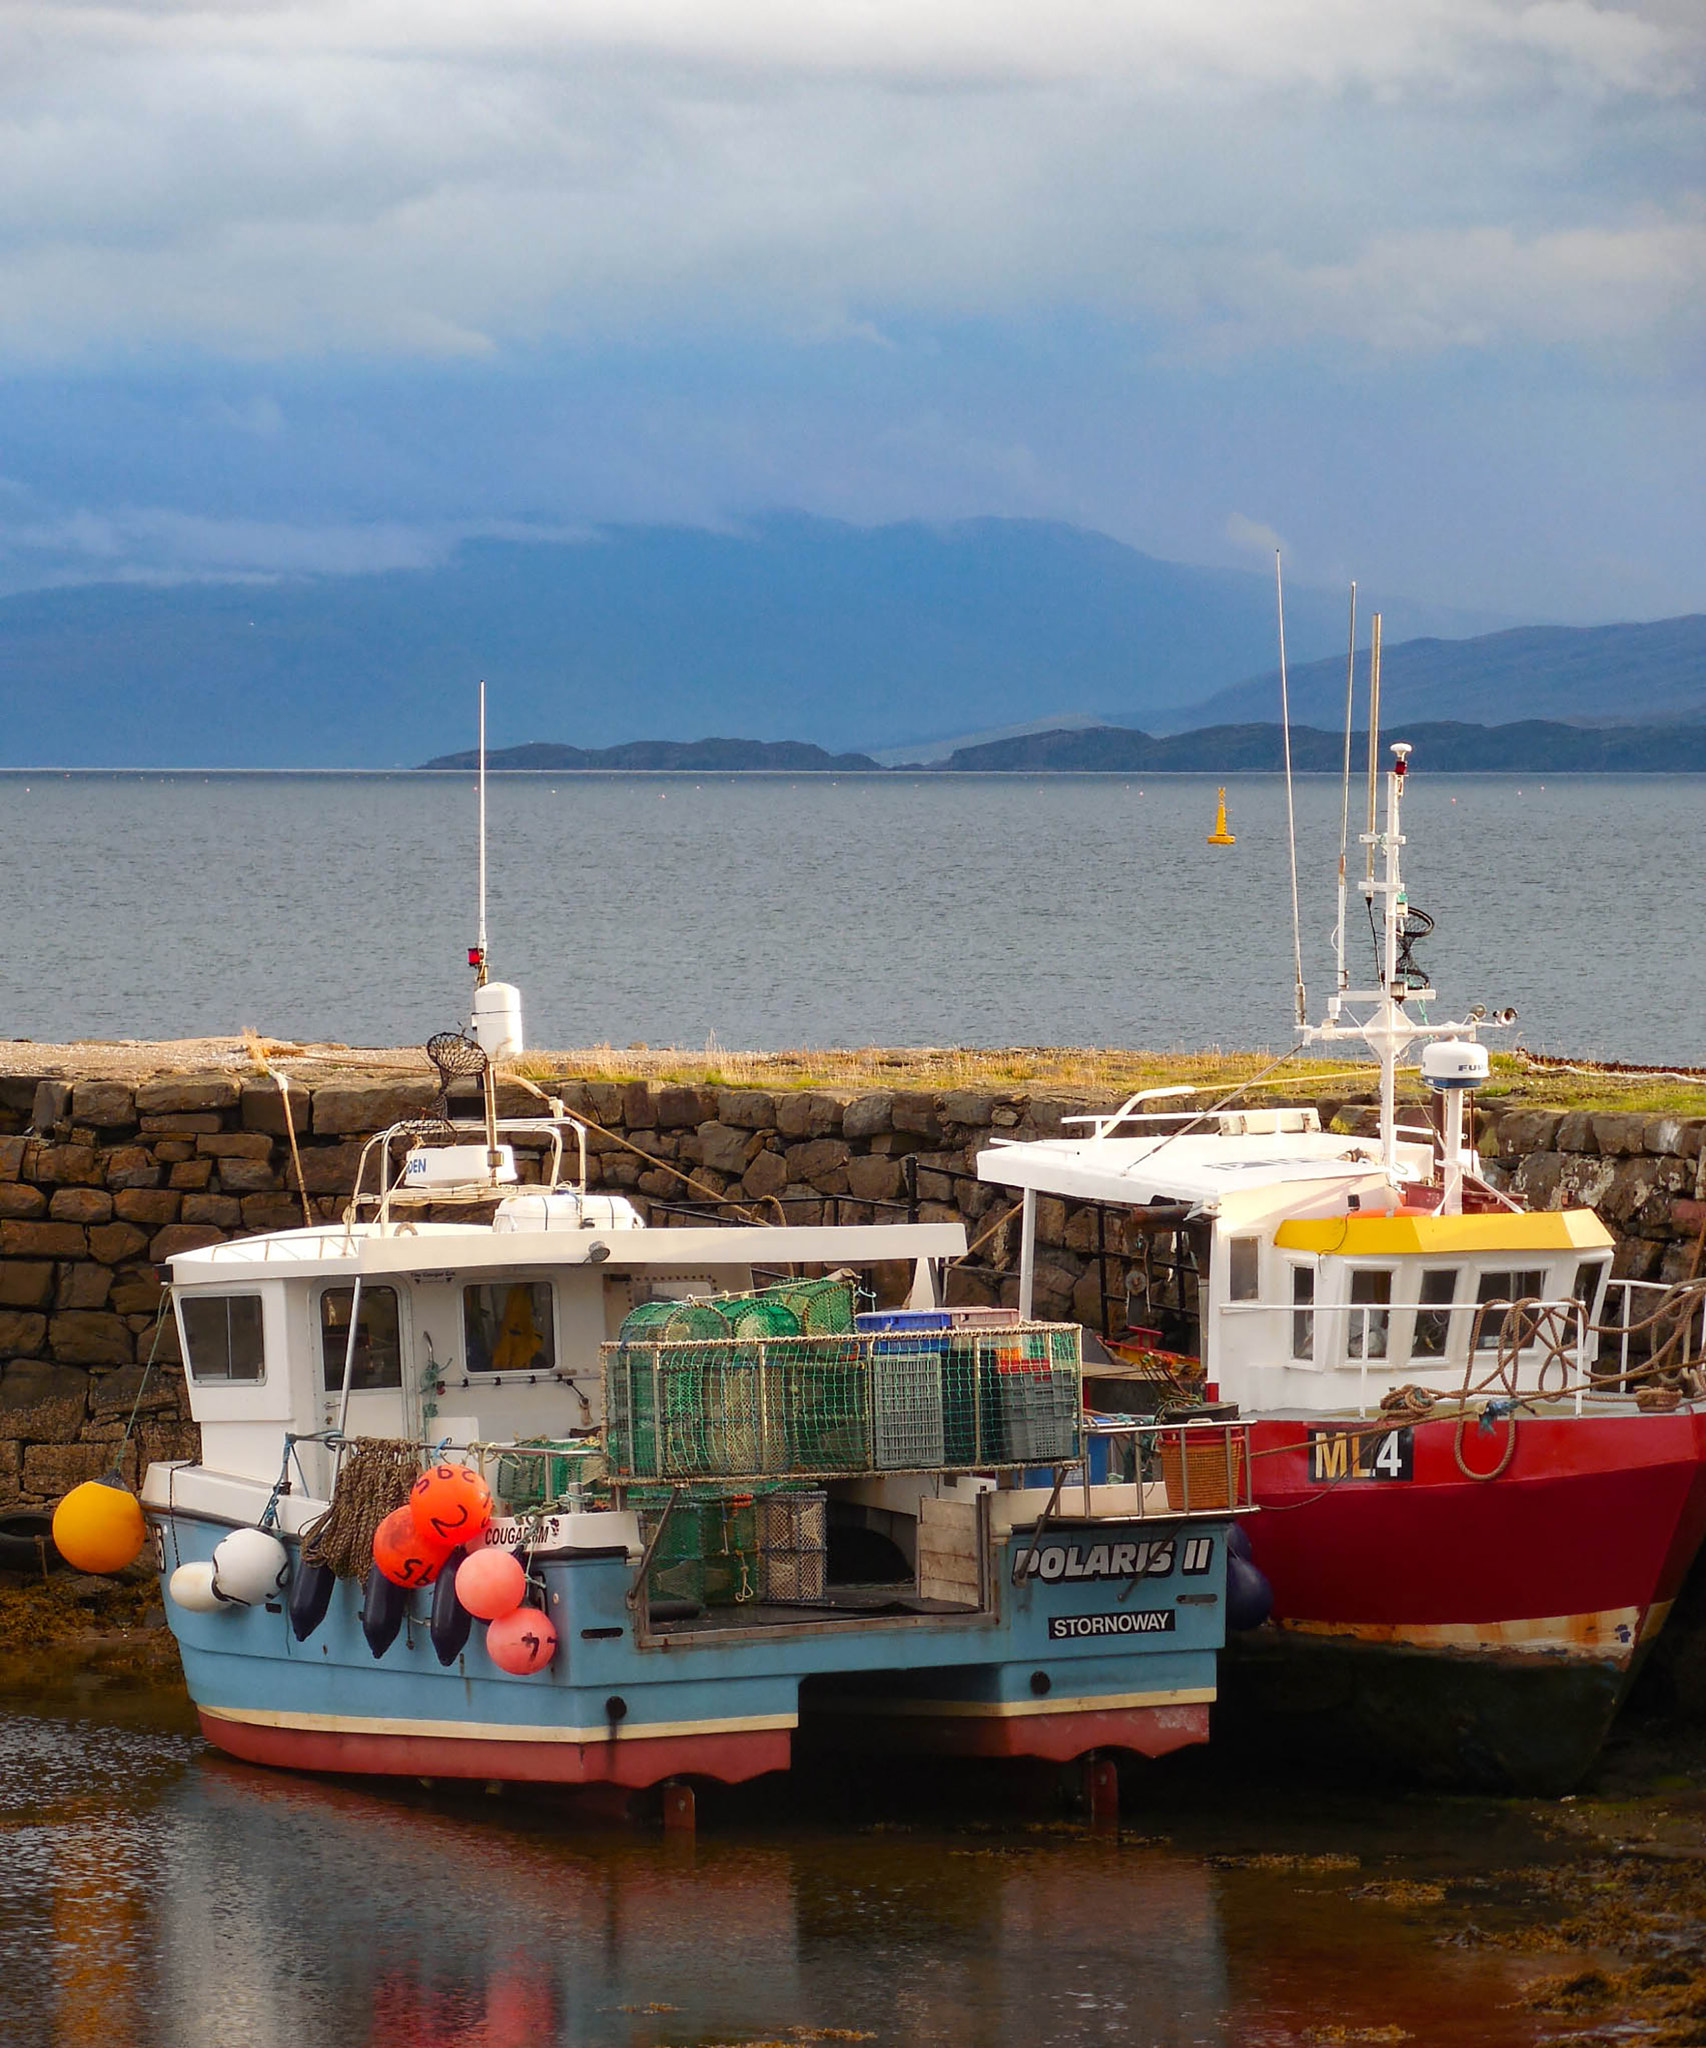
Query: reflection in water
{"x":191,"y":1903}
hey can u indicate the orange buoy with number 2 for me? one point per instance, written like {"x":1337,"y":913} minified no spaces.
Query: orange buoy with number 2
{"x":405,"y":1556}
{"x":98,"y":1526}
{"x":451,"y":1504}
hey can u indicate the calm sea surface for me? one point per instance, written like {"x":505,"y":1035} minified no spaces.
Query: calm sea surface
{"x":158,"y":1895}
{"x":771,"y":912}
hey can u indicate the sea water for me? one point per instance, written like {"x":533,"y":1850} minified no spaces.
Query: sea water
{"x":766,"y":911}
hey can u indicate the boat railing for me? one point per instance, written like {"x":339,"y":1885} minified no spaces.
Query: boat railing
{"x":416,"y":1130}
{"x":1642,"y":1317}
{"x":1554,"y":1338}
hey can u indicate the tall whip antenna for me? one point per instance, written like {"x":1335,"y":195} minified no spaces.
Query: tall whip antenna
{"x":1373,"y":746}
{"x":480,"y":963}
{"x":1345,"y":804}
{"x":1290,"y":809}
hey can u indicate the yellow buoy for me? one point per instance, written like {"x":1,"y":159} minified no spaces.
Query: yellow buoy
{"x":1220,"y":836}
{"x":98,"y":1527}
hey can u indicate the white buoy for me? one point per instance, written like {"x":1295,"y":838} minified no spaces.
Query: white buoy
{"x":191,"y":1587}
{"x":497,"y":1019}
{"x":249,"y":1566}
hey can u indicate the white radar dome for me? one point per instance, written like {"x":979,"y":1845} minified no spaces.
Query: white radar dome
{"x":1454,"y":1063}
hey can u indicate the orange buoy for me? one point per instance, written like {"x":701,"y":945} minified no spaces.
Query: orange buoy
{"x":491,"y":1583}
{"x":521,"y":1642}
{"x":98,"y":1526}
{"x":405,"y":1556}
{"x":451,"y":1504}
{"x":1220,"y":836}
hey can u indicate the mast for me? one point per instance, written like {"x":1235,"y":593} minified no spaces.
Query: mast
{"x":1302,"y":1000}
{"x":1341,"y":980}
{"x":478,"y":962}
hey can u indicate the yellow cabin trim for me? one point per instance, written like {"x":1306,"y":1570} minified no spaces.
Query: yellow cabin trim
{"x":1385,"y":1237}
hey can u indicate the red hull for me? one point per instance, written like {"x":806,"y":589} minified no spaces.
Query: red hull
{"x":1594,"y":1516}
{"x":1056,"y":1738}
{"x":632,"y":1761}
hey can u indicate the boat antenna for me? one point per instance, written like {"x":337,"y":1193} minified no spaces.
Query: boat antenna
{"x":1373,"y":748}
{"x":1343,"y":981}
{"x":477,"y":957}
{"x":1290,"y":808}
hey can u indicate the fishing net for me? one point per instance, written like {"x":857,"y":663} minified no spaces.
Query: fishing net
{"x":717,"y":1548}
{"x":457,"y":1058}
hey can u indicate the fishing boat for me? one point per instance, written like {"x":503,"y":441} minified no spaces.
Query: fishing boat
{"x":502,"y":1479}
{"x":1480,"y":1459}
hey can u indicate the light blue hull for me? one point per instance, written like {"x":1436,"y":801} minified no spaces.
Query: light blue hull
{"x":1058,"y":1666}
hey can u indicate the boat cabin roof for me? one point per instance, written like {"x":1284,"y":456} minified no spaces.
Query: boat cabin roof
{"x":1201,"y":1167}
{"x":474,"y":1247}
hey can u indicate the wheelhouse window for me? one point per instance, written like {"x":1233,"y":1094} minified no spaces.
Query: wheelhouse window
{"x":378,"y":1361}
{"x":1433,"y":1318}
{"x":507,"y":1327}
{"x":1303,"y":1312}
{"x":1587,"y":1282}
{"x":1518,"y":1285}
{"x":1371,"y":1296}
{"x":1243,"y":1268}
{"x":222,"y":1335}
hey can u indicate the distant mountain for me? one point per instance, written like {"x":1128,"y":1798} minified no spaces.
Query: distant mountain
{"x":1530,"y":747}
{"x":790,"y":628}
{"x":712,"y":756}
{"x":1647,"y":674}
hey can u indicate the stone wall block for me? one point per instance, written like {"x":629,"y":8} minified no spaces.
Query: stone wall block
{"x":746,"y":1109}
{"x":12,"y":1151}
{"x":81,"y":1205}
{"x":11,"y":1470}
{"x":26,"y":1283}
{"x":22,"y":1333}
{"x":113,"y":1243}
{"x":83,"y":1284}
{"x":262,"y":1107}
{"x":191,"y":1174}
{"x":727,"y":1150}
{"x":1575,"y":1132}
{"x":679,"y":1109}
{"x":136,"y":1291}
{"x":605,"y":1098}
{"x":1673,"y":1135}
{"x":234,"y":1145}
{"x":873,"y":1179}
{"x":918,"y":1113}
{"x":971,"y":1108}
{"x":816,"y":1159}
{"x":246,"y":1177}
{"x":90,"y":1337}
{"x":328,"y":1169}
{"x":182,"y":1237}
{"x":188,"y":1092}
{"x":271,"y":1212}
{"x":68,"y":1165}
{"x":1051,"y":1220}
{"x":21,"y":1203}
{"x":808,"y":1114}
{"x":344,"y":1107}
{"x":132,"y":1166}
{"x":1617,"y":1137}
{"x":224,"y":1210}
{"x":43,"y":1241}
{"x":53,"y":1469}
{"x":1521,"y":1131}
{"x":866,"y":1115}
{"x":51,"y":1105}
{"x":108,"y":1105}
{"x":186,"y":1124}
{"x":112,"y":1395}
{"x":639,"y":1111}
{"x":767,"y":1175}
{"x":149,"y":1205}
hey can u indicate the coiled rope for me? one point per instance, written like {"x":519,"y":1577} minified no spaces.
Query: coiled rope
{"x":372,"y":1483}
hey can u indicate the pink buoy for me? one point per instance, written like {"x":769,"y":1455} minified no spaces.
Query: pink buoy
{"x":522,"y":1641}
{"x":491,"y":1583}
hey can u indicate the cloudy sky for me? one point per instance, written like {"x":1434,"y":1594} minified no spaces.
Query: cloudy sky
{"x":1418,"y":286}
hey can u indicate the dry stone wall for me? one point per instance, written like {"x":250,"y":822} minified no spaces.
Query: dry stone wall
{"x":100,"y":1182}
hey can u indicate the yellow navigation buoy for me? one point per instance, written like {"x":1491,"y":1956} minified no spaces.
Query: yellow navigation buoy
{"x":98,"y":1527}
{"x":1220,"y":836}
